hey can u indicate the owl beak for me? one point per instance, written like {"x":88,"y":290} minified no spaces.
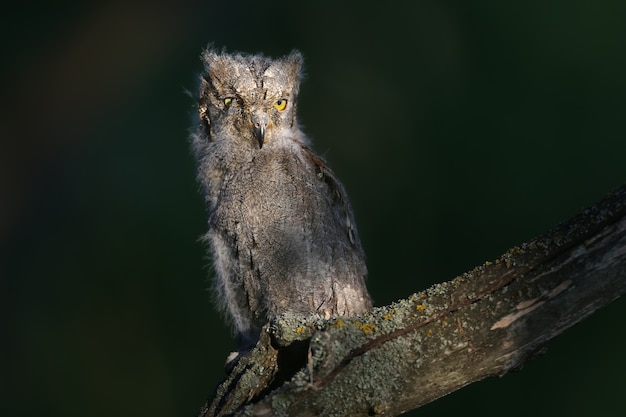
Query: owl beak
{"x":260,"y":121}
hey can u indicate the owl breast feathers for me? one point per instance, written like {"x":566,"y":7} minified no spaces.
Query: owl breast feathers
{"x":281,"y":229}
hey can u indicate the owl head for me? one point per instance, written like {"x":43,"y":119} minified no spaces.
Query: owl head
{"x":250,"y":99}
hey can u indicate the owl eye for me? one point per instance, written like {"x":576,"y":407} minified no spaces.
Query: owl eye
{"x":229,"y":101}
{"x":280,"y":104}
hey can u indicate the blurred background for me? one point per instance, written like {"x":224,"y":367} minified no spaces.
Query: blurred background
{"x":459,"y":128}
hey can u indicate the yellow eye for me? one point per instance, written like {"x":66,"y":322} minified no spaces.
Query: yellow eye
{"x":231,"y":101}
{"x":280,"y":104}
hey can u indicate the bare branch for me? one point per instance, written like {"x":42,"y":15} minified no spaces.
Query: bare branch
{"x":395,"y":358}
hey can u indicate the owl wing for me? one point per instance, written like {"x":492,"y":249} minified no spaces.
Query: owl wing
{"x":339,"y":197}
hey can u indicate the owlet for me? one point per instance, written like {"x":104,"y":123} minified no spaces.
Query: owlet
{"x":281,"y":229}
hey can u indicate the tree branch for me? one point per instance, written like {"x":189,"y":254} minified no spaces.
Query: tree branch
{"x":398,"y":357}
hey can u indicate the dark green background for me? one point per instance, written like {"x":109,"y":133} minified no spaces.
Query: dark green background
{"x":459,"y":128}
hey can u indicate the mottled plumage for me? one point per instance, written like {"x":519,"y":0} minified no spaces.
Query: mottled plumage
{"x":281,"y":228}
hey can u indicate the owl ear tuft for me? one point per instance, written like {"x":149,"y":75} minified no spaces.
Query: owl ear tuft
{"x":215,"y":61}
{"x":295,"y":62}
{"x":209,"y":56}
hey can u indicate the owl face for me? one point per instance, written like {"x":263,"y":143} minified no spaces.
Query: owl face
{"x":250,"y":99}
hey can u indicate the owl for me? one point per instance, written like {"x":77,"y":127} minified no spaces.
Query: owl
{"x":281,"y":230}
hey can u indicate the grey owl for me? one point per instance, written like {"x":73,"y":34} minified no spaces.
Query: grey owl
{"x":280,"y":226}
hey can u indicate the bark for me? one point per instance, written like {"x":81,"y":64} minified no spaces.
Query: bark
{"x":483,"y":323}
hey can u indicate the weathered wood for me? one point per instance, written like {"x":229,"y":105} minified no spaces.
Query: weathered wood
{"x":398,"y":357}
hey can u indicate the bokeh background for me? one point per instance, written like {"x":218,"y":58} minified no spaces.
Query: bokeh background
{"x":459,"y":128}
